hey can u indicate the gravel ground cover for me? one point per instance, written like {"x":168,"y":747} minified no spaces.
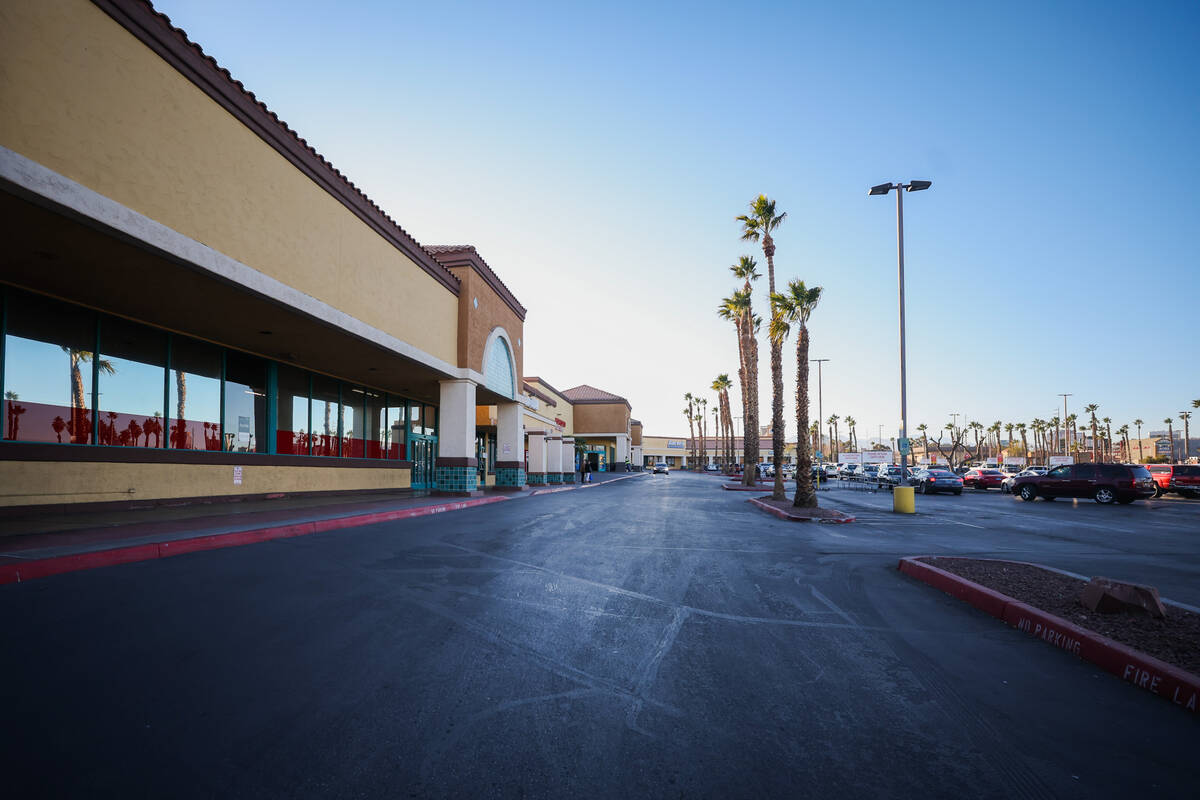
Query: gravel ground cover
{"x":1175,"y":640}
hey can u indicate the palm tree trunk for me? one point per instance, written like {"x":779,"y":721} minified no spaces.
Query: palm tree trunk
{"x":806,"y":494}
{"x":750,"y":428}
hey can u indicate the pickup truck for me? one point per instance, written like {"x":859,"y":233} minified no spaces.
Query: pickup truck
{"x":1183,"y":479}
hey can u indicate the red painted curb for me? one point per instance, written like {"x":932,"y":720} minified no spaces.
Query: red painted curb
{"x":1133,"y":666}
{"x":45,"y":567}
{"x":770,"y":509}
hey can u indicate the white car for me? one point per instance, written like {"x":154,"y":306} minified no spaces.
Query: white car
{"x":1006,"y":485}
{"x":661,"y":466}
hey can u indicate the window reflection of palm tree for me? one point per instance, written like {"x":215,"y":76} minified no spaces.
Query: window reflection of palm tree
{"x":81,"y":428}
{"x":14,"y":412}
{"x":107,"y":435}
{"x":135,"y":431}
{"x":59,"y":426}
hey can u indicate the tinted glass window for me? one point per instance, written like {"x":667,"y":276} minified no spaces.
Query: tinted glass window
{"x":352,"y":421}
{"x":376,"y":424}
{"x":48,"y":371}
{"x":1083,"y":471}
{"x":194,"y":396}
{"x":1140,"y":472}
{"x":1191,"y":471}
{"x":325,"y":415}
{"x":1113,"y":471}
{"x":1159,"y":470}
{"x":245,"y":428}
{"x":133,"y":364}
{"x":1059,"y":472}
{"x":396,"y":443}
{"x":291,"y":411}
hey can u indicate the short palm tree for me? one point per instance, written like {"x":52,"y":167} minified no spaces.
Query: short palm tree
{"x":1171,"y":437}
{"x":837,"y":446}
{"x":1139,"y":423}
{"x":1123,"y":432}
{"x":923,"y":429}
{"x":689,"y":412}
{"x":850,"y":440}
{"x":1021,"y":427}
{"x":757,"y":226}
{"x":738,"y":309}
{"x":721,"y":386}
{"x":1108,"y":436}
{"x":796,"y":305}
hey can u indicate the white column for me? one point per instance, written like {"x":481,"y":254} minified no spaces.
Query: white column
{"x":622,"y":450}
{"x":568,"y":459}
{"x":554,"y":459}
{"x":510,"y":446}
{"x":456,"y":468}
{"x":537,"y":458}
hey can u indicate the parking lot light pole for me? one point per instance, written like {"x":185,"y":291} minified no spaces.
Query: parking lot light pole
{"x":900,"y":188}
{"x":820,"y":417}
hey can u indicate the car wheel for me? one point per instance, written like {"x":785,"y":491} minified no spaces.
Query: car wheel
{"x":1028,"y":493}
{"x":1104,"y":495}
{"x":1158,"y":492}
{"x":924,"y":488}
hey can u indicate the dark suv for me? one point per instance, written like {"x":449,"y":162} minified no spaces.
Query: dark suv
{"x":1104,"y":483}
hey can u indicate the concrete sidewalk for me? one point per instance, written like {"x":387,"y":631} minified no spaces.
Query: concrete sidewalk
{"x":36,"y":545}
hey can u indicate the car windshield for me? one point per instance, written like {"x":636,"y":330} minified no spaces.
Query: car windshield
{"x":991,"y":472}
{"x":1139,"y":471}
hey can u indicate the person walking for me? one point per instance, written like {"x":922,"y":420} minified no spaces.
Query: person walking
{"x":584,"y":470}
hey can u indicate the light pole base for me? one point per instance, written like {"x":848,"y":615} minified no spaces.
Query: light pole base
{"x":904,"y":500}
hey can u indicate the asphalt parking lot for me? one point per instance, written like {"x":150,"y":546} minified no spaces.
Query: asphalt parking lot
{"x":653,"y":638}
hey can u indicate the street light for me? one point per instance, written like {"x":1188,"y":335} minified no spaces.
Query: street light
{"x":882,"y":189}
{"x":820,"y":420}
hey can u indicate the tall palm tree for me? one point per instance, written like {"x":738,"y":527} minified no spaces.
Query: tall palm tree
{"x":1123,"y":432}
{"x":1108,"y":436}
{"x":796,"y":305}
{"x":851,"y":441}
{"x":923,"y":429}
{"x":691,"y":418}
{"x":721,"y":386}
{"x":1187,"y":442}
{"x":1024,"y":441}
{"x":1055,"y":432}
{"x":1072,"y":433}
{"x":1139,"y":423}
{"x":703,"y":432}
{"x":1171,"y":437}
{"x":837,"y":448}
{"x":757,"y":226}
{"x":1009,"y":429}
{"x":737,"y":308}
{"x":994,"y":430}
{"x":1091,"y":410}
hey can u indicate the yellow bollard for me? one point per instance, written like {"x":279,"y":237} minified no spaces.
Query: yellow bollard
{"x":904,"y":500}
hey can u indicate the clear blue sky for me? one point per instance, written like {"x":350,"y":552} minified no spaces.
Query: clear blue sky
{"x":598,"y":155}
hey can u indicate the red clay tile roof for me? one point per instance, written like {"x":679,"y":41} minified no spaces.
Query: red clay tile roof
{"x":590,"y":394}
{"x":172,"y":44}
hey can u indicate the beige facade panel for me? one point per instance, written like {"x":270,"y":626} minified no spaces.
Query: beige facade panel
{"x":129,"y":126}
{"x":562,"y":411}
{"x":28,"y":483}
{"x":475,"y":324}
{"x":601,"y":418}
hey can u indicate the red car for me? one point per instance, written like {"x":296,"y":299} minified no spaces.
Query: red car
{"x":984,"y":479}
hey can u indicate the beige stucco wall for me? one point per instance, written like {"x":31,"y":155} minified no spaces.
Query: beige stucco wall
{"x":563,"y":410}
{"x":83,"y":97}
{"x":42,"y":482}
{"x":601,"y":418}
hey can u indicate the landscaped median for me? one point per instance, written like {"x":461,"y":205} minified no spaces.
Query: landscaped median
{"x":785,"y":510}
{"x":1168,"y":669}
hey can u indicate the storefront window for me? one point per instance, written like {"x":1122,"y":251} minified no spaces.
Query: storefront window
{"x":376,"y":424}
{"x":245,"y":428}
{"x":396,"y":442}
{"x":133,"y":363}
{"x":414,"y":418}
{"x":352,"y":421}
{"x":291,"y":411}
{"x":48,"y":371}
{"x":325,"y":416}
{"x":194,"y":395}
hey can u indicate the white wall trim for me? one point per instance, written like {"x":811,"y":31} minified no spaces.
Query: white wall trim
{"x":61,"y":194}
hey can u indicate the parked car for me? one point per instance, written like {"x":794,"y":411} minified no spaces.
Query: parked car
{"x":1104,"y":483}
{"x":932,"y":481}
{"x":984,"y":478}
{"x":1186,"y":480}
{"x":661,"y":466}
{"x":847,"y":472}
{"x":1007,"y":484}
{"x":712,"y":468}
{"x":888,"y":475}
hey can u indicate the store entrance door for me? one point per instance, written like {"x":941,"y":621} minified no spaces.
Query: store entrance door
{"x":424,"y":451}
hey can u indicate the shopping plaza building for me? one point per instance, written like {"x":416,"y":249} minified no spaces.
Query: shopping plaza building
{"x":195,"y":304}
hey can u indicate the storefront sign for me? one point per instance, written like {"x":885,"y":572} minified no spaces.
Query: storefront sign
{"x":562,"y":423}
{"x":237,"y":476}
{"x":1014,"y":461}
{"x":1058,"y":461}
{"x":675,"y":444}
{"x":850,"y":458}
{"x":1162,"y":447}
{"x":876,"y":456}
